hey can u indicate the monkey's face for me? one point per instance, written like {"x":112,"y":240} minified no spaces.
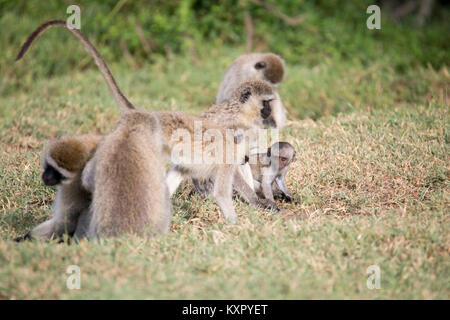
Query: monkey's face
{"x":283,"y":154}
{"x":51,"y":176}
{"x":283,"y":162}
{"x":256,"y":99}
{"x":261,"y":110}
{"x":266,"y":112}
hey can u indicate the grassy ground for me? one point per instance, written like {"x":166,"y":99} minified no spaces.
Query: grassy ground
{"x":371,"y":181}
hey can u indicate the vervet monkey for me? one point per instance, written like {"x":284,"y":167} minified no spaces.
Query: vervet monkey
{"x":269,"y":170}
{"x":126,"y":176}
{"x":63,"y":161}
{"x":255,"y":66}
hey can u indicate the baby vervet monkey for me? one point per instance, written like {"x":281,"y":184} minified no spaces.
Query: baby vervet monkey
{"x":255,"y":66}
{"x":63,"y":161}
{"x":269,"y":170}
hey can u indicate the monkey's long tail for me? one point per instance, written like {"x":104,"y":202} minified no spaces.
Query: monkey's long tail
{"x":121,"y":100}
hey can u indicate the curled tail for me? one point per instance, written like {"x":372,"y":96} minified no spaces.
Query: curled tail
{"x":121,"y":100}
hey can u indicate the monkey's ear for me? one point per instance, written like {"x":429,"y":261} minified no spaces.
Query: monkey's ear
{"x":260,"y":65}
{"x":269,"y":151}
{"x":245,"y":94}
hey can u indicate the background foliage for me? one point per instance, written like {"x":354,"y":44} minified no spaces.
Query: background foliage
{"x":330,"y":30}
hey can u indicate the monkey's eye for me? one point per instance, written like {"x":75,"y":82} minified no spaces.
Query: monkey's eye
{"x":283,"y":159}
{"x":260,"y":65}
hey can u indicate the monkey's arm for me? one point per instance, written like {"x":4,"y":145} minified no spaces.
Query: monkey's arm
{"x":280,"y":189}
{"x":249,"y":195}
{"x":223,"y":191}
{"x":65,"y":213}
{"x":266,"y":186}
{"x":246,"y":173}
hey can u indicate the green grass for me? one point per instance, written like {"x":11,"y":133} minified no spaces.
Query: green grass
{"x":371,"y":180}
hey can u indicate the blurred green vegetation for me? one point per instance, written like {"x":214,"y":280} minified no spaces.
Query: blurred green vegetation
{"x":330,"y":43}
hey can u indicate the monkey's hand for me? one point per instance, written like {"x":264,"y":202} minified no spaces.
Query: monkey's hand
{"x":285,"y":197}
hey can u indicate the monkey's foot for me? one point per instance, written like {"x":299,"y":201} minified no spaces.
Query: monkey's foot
{"x":27,"y":236}
{"x":286,"y":198}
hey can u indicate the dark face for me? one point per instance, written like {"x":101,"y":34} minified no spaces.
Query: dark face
{"x":52,"y":177}
{"x":266,"y":113}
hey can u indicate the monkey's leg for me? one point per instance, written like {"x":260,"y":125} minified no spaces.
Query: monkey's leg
{"x":173,"y":179}
{"x":205,"y":187}
{"x":223,"y":192}
{"x":246,"y":173}
{"x":266,"y":186}
{"x":249,"y":195}
{"x":56,"y":227}
{"x":84,"y":220}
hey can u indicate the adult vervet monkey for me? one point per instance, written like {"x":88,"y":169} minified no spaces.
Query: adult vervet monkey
{"x":126,"y":176}
{"x":255,"y":66}
{"x":63,"y":161}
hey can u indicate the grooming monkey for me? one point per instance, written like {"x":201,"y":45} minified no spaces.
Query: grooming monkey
{"x":254,"y":66}
{"x":63,"y":161}
{"x":127,"y":179}
{"x":269,"y":170}
{"x":170,"y":122}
